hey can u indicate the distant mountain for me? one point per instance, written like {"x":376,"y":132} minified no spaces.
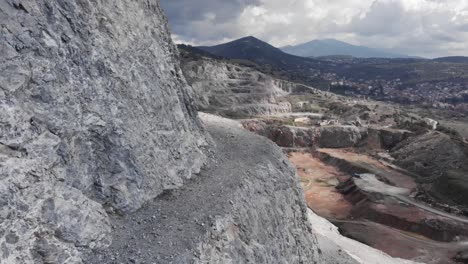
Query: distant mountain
{"x":193,"y":51}
{"x":453,"y":59}
{"x":332,"y":47}
{"x":253,"y":49}
{"x":273,"y":61}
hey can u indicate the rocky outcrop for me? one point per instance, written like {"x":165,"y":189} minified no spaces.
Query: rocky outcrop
{"x":385,"y":138}
{"x":340,"y":136}
{"x":430,"y":123}
{"x":94,"y":114}
{"x":234,"y":90}
{"x":283,"y":136}
{"x":100,"y":142}
{"x":334,"y":136}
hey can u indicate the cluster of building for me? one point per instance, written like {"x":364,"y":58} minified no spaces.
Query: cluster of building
{"x":443,"y":94}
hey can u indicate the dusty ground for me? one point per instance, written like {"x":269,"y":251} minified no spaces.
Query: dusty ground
{"x":319,"y":181}
{"x":242,"y":167}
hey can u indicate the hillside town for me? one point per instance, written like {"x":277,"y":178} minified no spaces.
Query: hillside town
{"x":445,"y":94}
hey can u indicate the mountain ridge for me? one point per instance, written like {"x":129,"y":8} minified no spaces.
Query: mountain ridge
{"x":452,"y":59}
{"x":254,"y":49}
{"x":330,"y":47}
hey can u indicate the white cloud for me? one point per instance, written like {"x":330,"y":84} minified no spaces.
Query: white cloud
{"x":416,"y":27}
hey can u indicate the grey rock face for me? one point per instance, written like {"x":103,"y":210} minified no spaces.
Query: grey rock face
{"x":352,"y":136}
{"x":234,"y":90}
{"x":340,"y":136}
{"x":304,"y":137}
{"x":336,"y":136}
{"x":283,"y":136}
{"x":94,"y":114}
{"x":388,"y":137}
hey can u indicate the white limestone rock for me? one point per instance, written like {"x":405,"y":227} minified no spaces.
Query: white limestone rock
{"x":94,"y":114}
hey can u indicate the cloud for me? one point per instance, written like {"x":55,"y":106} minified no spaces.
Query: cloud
{"x":421,"y":27}
{"x":382,"y":18}
{"x":417,"y":27}
{"x":205,"y":20}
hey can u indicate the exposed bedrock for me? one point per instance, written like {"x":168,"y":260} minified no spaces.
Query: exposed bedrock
{"x":94,"y":114}
{"x":340,"y":136}
{"x":235,"y":90}
{"x":386,"y":138}
{"x":337,"y":136}
{"x":99,"y":130}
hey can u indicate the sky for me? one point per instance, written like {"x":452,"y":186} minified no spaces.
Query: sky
{"x":427,"y":28}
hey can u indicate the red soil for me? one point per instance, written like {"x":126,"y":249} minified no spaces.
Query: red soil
{"x":383,"y":222}
{"x":319,"y":181}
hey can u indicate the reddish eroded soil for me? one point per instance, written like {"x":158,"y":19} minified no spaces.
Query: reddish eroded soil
{"x":319,"y":181}
{"x":384,"y":222}
{"x":378,"y":210}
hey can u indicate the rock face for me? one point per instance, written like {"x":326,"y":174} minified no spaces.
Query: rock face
{"x":388,"y":138}
{"x":94,"y":114}
{"x":341,"y":136}
{"x":234,"y":90}
{"x":283,"y":136}
{"x":335,"y":136}
{"x":97,"y":121}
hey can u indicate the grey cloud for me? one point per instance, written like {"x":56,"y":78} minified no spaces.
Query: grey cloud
{"x":463,"y":27}
{"x":416,"y":27}
{"x":204,"y":19}
{"x":445,"y":37}
{"x":383,"y":18}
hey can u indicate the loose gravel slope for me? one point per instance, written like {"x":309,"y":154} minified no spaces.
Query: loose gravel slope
{"x":245,"y":206}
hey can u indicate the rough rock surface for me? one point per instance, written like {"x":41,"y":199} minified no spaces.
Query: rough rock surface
{"x":246,"y":207}
{"x":94,"y":114}
{"x":340,"y":136}
{"x":388,"y":138}
{"x":97,"y":121}
{"x":336,"y":136}
{"x":234,"y":90}
{"x":283,"y":136}
{"x":440,"y":162}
